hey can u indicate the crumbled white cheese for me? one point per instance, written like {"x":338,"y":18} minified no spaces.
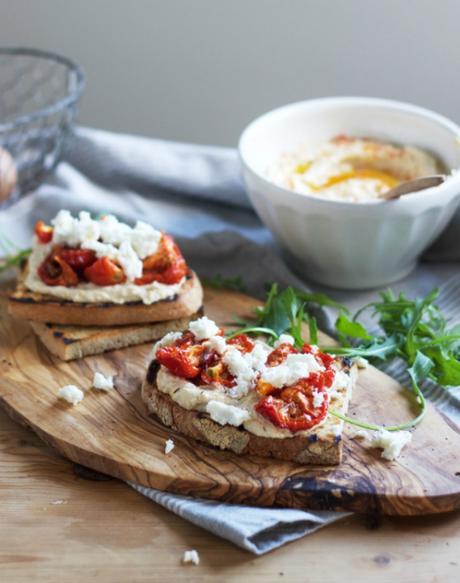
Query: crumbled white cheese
{"x":361,"y":362}
{"x":318,"y":398}
{"x":391,"y":442}
{"x":169,"y":446}
{"x":102,"y":382}
{"x":101,"y":249}
{"x":167,"y":339}
{"x":145,"y":239}
{"x":341,"y":382}
{"x":88,"y":230}
{"x":128,"y":259}
{"x":240,"y":367}
{"x":295,"y":367}
{"x":284,"y":339}
{"x":65,"y":230}
{"x":203,"y":328}
{"x":107,"y":237}
{"x":71,"y":394}
{"x":226,"y":414}
{"x":258,"y":356}
{"x":191,"y":556}
{"x":112,"y":231}
{"x":216,"y":343}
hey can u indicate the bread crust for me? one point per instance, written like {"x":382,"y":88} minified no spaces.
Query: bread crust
{"x":37,"y":307}
{"x":308,"y":450}
{"x":72,"y":342}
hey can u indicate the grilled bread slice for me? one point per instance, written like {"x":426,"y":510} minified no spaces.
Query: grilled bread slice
{"x":37,"y":307}
{"x":322,"y":445}
{"x":72,"y":342}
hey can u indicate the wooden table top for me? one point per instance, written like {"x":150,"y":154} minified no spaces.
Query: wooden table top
{"x":56,"y":525}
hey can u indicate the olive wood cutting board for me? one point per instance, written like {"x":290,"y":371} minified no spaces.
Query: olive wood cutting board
{"x":111,"y":433}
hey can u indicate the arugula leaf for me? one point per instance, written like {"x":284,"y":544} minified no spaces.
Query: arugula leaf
{"x":313,"y":330}
{"x":421,"y":368}
{"x":380,"y":349}
{"x":351,"y":329}
{"x":445,"y":364}
{"x":252,"y":330}
{"x":414,"y":330}
{"x":16,"y":260}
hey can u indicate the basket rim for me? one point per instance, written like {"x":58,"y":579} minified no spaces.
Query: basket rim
{"x":64,"y":102}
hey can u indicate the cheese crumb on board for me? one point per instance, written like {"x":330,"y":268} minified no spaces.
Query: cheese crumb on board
{"x":203,"y":328}
{"x":361,"y":362}
{"x":169,"y":446}
{"x":391,"y":442}
{"x":192,"y":557}
{"x":71,"y":394}
{"x":102,"y":382}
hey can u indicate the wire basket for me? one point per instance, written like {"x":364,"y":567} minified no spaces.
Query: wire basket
{"x":39,"y":93}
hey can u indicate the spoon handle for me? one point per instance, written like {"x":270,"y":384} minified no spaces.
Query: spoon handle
{"x":414,"y":186}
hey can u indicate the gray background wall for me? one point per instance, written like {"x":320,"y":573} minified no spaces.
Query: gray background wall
{"x":200,"y":70}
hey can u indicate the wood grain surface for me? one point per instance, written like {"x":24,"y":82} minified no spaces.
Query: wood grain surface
{"x":59,"y":526}
{"x":112,"y":434}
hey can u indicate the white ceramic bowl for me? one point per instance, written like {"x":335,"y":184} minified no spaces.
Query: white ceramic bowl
{"x":350,"y":245}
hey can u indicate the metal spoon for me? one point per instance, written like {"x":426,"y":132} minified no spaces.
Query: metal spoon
{"x":415,"y":185}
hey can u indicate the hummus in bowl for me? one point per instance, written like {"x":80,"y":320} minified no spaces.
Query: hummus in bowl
{"x":350,"y":169}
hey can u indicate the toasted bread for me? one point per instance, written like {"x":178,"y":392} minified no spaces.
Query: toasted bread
{"x":71,"y":342}
{"x":318,"y":447}
{"x":37,"y":307}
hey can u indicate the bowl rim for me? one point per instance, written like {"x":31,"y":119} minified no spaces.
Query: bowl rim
{"x":69,"y":99}
{"x":391,"y":104}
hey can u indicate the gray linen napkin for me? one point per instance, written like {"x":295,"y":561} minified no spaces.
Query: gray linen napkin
{"x":193,"y":192}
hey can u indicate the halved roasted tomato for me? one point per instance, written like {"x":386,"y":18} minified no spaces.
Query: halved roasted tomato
{"x":103,"y":272}
{"x":279,"y":355}
{"x":242,"y":342}
{"x":296,"y":408}
{"x":43,"y":231}
{"x":78,"y":259}
{"x":56,"y":271}
{"x":217,"y":373}
{"x":166,"y":266}
{"x":181,"y":360}
{"x":325,"y":359}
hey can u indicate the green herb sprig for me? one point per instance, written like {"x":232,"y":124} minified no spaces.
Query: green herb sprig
{"x":414,"y":330}
{"x":11,"y":254}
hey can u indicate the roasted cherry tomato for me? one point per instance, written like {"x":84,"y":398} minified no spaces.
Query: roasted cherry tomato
{"x":242,"y":342}
{"x":326,"y":359}
{"x":293,"y":408}
{"x":218,"y":373}
{"x":165,"y":266}
{"x":320,"y":380}
{"x":279,"y":355}
{"x":55,"y":271}
{"x":165,"y":255}
{"x":173,"y":274}
{"x":43,"y":231}
{"x":78,"y":259}
{"x":265,"y":388}
{"x":104,"y":272}
{"x":178,"y":361}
